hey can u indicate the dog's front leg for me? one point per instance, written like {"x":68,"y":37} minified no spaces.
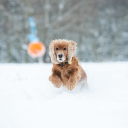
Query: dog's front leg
{"x":55,"y":79}
{"x":74,"y":77}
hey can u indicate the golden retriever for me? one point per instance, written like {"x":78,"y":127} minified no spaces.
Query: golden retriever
{"x":66,"y":71}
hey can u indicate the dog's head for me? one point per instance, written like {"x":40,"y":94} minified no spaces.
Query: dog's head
{"x":60,"y":50}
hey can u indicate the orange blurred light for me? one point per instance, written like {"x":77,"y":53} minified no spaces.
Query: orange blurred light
{"x":36,"y":49}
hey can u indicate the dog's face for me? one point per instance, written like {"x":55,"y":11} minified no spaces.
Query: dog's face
{"x":60,"y":50}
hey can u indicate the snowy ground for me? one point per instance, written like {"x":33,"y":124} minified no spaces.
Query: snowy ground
{"x":29,"y":100}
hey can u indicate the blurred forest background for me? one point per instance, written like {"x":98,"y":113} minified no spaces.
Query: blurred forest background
{"x":100,"y":28}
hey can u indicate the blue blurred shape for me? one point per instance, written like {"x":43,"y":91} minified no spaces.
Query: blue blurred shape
{"x":33,"y":38}
{"x":32,"y":25}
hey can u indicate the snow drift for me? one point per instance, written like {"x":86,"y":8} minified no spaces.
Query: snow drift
{"x":29,"y":100}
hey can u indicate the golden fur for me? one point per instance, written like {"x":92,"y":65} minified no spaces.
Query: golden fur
{"x":69,"y":74}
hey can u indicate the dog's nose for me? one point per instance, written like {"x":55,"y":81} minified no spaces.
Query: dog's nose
{"x":60,"y":55}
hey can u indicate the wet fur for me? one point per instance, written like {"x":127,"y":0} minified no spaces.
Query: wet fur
{"x":69,"y":74}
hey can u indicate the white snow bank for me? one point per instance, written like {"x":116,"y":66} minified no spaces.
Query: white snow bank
{"x":29,"y":100}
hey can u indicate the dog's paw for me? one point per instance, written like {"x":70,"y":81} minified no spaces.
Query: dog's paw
{"x":55,"y":81}
{"x":71,"y":86}
{"x":50,"y":78}
{"x":78,"y":77}
{"x":57,"y":85}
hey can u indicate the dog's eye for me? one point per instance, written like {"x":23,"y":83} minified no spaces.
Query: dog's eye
{"x":64,"y":48}
{"x":56,"y":48}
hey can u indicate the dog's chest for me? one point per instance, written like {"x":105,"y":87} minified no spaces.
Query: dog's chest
{"x":64,"y":72}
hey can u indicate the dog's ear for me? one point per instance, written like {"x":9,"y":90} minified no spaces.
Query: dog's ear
{"x":71,"y":50}
{"x":52,"y":53}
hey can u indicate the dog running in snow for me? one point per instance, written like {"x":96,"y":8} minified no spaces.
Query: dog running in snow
{"x":66,"y":71}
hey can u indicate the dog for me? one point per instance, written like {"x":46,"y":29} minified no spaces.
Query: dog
{"x":66,"y":71}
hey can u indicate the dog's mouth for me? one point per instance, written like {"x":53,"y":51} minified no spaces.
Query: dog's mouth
{"x":60,"y":59}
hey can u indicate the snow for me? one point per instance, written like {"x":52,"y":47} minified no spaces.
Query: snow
{"x":29,"y":100}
